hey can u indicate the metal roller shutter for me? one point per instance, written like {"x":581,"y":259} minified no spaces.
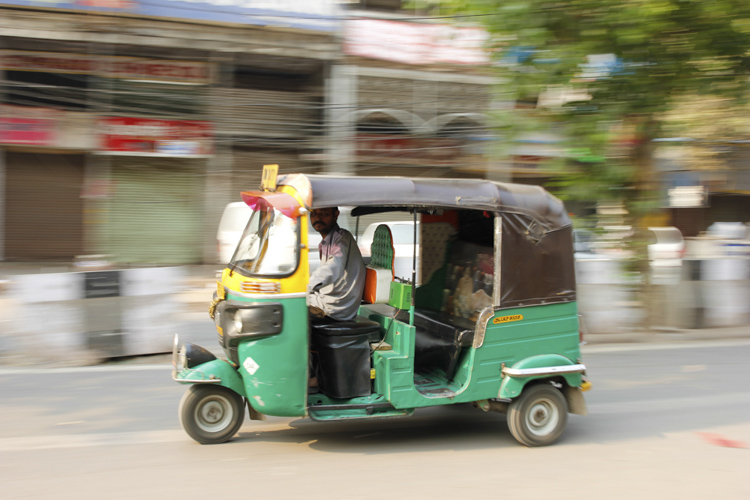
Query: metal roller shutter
{"x":44,"y":210}
{"x":155,"y":216}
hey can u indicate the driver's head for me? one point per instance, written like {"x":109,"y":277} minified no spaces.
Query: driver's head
{"x":324,"y":219}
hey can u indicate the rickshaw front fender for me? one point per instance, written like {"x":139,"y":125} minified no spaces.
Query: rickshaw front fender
{"x":215,"y":372}
{"x":543,"y":366}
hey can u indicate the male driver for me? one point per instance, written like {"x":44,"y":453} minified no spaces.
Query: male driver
{"x":336,"y":287}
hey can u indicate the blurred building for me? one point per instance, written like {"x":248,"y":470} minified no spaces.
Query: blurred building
{"x":416,"y":97}
{"x":699,"y":193}
{"x":126,"y":126}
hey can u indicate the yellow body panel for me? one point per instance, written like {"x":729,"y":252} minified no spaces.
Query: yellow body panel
{"x":297,"y":282}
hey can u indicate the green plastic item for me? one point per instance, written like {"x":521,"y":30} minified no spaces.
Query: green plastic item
{"x":400,"y":296}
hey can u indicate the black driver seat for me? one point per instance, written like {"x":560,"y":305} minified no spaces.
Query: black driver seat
{"x":341,"y":354}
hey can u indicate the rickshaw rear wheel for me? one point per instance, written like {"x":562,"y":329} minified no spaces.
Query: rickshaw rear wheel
{"x":538,"y":416}
{"x":211,"y":414}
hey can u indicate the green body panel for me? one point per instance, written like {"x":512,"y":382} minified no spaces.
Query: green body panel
{"x":511,"y":387}
{"x":548,"y":332}
{"x":277,"y":381}
{"x":220,"y":369}
{"x":547,"y":335}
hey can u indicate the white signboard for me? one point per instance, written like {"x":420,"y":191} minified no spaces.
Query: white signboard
{"x":415,"y":43}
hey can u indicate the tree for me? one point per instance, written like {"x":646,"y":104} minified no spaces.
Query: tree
{"x":609,"y":75}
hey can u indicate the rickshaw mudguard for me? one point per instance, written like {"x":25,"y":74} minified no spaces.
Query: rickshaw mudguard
{"x":515,"y":379}
{"x":214,"y":372}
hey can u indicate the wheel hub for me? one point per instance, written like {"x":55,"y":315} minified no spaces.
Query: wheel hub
{"x":542,"y":417}
{"x":212,"y":412}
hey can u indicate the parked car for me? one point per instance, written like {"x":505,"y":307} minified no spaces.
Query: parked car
{"x":728,"y":231}
{"x":584,"y":245}
{"x":582,"y":240}
{"x":666,"y":246}
{"x":721,"y":240}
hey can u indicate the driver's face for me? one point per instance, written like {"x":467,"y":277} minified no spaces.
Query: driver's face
{"x":323,"y":220}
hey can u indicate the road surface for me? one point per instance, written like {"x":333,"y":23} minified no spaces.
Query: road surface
{"x":665,"y":422}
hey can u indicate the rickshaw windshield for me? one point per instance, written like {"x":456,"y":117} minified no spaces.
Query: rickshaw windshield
{"x":268,"y":246}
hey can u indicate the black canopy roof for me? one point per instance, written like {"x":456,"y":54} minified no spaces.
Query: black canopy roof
{"x":320,"y":191}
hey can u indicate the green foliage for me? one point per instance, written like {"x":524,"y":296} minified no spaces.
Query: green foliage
{"x":647,"y":55}
{"x":621,"y":73}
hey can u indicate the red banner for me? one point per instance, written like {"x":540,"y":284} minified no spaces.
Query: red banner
{"x":131,"y":68}
{"x":24,"y":125}
{"x":151,"y":137}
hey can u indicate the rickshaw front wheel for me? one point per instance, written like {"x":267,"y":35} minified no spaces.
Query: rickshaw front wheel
{"x":211,"y":414}
{"x":538,"y":416}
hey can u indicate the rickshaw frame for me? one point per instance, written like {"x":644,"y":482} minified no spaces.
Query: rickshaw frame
{"x":533,"y":317}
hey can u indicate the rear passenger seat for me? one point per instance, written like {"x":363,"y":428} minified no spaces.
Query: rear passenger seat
{"x":440,"y":338}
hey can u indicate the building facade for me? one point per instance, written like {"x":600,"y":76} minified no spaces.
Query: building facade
{"x":127,"y":126}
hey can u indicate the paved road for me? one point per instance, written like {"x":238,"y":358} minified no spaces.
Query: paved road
{"x":665,"y":421}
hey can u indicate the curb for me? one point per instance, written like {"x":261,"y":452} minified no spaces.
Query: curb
{"x":667,"y":336}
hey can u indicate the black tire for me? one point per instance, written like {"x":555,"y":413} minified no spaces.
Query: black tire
{"x":211,"y":414}
{"x":538,"y":416}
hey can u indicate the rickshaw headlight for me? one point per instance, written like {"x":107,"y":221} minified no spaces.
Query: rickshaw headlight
{"x":238,"y":322}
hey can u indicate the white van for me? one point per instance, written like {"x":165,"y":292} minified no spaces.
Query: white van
{"x":233,"y":221}
{"x":236,"y":216}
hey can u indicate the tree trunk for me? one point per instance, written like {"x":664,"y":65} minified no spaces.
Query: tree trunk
{"x":644,"y":202}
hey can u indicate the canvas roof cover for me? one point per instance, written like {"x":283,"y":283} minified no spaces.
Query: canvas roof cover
{"x":319,"y":191}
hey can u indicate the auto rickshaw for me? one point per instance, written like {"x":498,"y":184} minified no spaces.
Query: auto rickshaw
{"x":490,"y":318}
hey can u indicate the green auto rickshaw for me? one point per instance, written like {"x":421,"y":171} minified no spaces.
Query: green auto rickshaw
{"x":488,"y":316}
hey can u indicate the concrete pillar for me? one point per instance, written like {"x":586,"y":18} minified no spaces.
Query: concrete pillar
{"x":218,"y":190}
{"x":341,"y":105}
{"x":3,"y":206}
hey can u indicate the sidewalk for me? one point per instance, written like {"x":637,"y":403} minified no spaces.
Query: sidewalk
{"x":202,"y":284}
{"x":663,"y":336}
{"x":188,"y":303}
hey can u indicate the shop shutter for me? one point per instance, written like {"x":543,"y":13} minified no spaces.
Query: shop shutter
{"x":43,"y":207}
{"x":155,"y":215}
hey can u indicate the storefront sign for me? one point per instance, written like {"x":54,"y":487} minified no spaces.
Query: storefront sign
{"x":149,"y":137}
{"x":415,"y":43}
{"x":132,"y":68}
{"x":28,"y":126}
{"x":297,"y":14}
